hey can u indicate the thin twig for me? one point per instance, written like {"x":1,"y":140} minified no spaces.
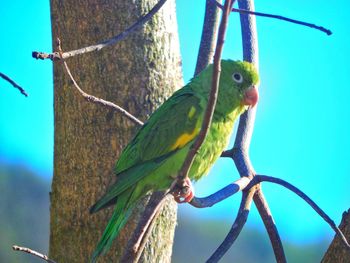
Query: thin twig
{"x":244,"y":11}
{"x":321,"y":28}
{"x":183,"y":174}
{"x":265,"y":178}
{"x":33,"y":252}
{"x":7,"y":78}
{"x":222,"y":194}
{"x":143,"y":241}
{"x":236,"y":227}
{"x":144,"y":227}
{"x":138,"y":24}
{"x":94,"y":99}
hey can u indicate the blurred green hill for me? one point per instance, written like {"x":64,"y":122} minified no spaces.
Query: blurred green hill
{"x":24,"y":213}
{"x":24,"y":221}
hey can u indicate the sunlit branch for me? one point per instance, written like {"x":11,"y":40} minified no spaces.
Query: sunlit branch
{"x":33,"y":252}
{"x":220,"y":195}
{"x":138,"y":24}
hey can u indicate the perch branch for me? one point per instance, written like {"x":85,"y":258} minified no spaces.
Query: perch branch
{"x":183,"y":174}
{"x":325,"y":217}
{"x":13,"y":83}
{"x":33,"y":252}
{"x":94,"y":99}
{"x":236,"y":227}
{"x":222,"y":194}
{"x":294,"y":21}
{"x":140,"y":22}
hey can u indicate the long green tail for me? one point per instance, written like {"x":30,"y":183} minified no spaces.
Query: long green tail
{"x":119,"y":218}
{"x":125,"y":192}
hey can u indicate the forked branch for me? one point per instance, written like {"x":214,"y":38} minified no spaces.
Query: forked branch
{"x":245,"y":185}
{"x":236,"y":228}
{"x":314,"y":206}
{"x":94,"y":99}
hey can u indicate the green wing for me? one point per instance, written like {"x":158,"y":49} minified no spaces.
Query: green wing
{"x":175,"y":124}
{"x":172,"y":126}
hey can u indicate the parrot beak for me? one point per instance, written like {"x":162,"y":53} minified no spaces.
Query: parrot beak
{"x":251,"y":97}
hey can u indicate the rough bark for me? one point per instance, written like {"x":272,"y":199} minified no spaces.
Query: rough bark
{"x":138,"y":74}
{"x":337,"y":252}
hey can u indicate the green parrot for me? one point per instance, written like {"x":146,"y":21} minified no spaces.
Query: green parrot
{"x":153,"y":158}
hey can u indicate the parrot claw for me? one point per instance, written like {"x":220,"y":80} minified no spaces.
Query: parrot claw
{"x":185,"y":193}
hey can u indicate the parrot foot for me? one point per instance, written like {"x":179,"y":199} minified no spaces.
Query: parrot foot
{"x":184,"y":193}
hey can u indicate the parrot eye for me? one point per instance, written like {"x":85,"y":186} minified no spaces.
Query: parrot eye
{"x":237,"y":77}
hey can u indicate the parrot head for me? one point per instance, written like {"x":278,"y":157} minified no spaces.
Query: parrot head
{"x":237,"y":87}
{"x":238,"y":84}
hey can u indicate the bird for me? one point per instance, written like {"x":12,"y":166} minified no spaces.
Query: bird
{"x":153,"y":158}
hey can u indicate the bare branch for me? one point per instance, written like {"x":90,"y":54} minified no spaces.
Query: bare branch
{"x":265,"y":178}
{"x":244,"y":11}
{"x":236,"y":227}
{"x":222,"y":194}
{"x":96,"y":100}
{"x":183,"y":174}
{"x":138,"y":240}
{"x":33,"y":252}
{"x":138,"y":24}
{"x":7,"y":78}
{"x":240,"y":153}
{"x":270,"y":225}
{"x":208,"y":39}
{"x":320,"y":28}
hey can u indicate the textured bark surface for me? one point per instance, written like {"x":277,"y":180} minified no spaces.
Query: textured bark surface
{"x":138,"y":74}
{"x":337,"y":252}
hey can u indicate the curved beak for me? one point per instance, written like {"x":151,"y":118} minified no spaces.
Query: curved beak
{"x":251,"y":96}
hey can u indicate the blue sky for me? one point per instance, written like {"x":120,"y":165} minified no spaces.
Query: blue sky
{"x":302,"y":127}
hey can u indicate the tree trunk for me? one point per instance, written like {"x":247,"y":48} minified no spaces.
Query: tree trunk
{"x":137,"y":74}
{"x":337,"y":252}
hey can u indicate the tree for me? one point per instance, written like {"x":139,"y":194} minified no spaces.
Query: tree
{"x":249,"y":183}
{"x":138,"y":73}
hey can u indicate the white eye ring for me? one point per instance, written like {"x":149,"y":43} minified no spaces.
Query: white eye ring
{"x":237,"y":77}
